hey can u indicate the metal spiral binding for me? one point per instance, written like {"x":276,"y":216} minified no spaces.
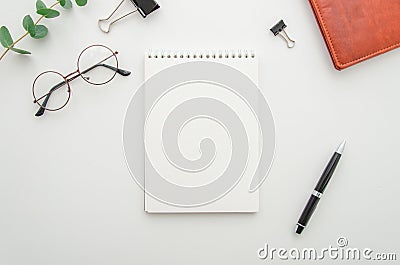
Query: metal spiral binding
{"x":201,"y":55}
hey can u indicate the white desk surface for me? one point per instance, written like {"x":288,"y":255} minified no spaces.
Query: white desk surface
{"x":66,"y":195}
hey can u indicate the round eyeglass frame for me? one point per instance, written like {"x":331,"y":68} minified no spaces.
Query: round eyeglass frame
{"x":114,"y":54}
{"x":66,"y":82}
{"x":79,"y":72}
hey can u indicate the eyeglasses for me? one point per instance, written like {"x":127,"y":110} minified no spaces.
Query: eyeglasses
{"x":97,"y":65}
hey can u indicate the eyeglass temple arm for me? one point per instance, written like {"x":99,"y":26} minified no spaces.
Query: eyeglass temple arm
{"x":42,"y":109}
{"x":118,"y":70}
{"x":54,"y":88}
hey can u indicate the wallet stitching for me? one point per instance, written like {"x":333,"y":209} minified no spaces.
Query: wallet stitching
{"x":333,"y":48}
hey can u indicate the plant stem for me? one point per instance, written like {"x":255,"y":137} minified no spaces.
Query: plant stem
{"x":25,"y":34}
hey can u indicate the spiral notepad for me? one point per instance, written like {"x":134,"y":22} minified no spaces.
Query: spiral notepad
{"x":202,"y":139}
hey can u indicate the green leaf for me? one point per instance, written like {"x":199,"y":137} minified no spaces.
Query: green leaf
{"x":67,"y":4}
{"x":5,"y":37}
{"x":81,"y":2}
{"x":28,"y":25}
{"x":40,"y":5}
{"x":48,"y":13}
{"x":40,"y":32}
{"x":20,"y":51}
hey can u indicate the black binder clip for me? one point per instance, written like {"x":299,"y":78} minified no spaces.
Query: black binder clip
{"x":279,"y":28}
{"x":144,"y":7}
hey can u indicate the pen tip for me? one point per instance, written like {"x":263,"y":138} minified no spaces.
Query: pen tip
{"x":299,"y":229}
{"x":341,"y":147}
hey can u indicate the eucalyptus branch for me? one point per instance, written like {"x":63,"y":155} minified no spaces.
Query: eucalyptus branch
{"x":26,"y":33}
{"x":33,"y":29}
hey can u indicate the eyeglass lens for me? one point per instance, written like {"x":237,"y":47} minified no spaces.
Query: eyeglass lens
{"x":97,"y":64}
{"x":51,"y":90}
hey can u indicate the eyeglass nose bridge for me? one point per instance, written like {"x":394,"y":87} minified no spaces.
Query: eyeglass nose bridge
{"x":71,"y":74}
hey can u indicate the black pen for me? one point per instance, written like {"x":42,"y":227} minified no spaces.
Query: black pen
{"x":319,"y":189}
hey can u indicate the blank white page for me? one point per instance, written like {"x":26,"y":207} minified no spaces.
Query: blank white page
{"x":239,"y":199}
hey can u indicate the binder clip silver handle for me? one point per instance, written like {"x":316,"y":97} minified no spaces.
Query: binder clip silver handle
{"x":144,"y":7}
{"x":279,"y":29}
{"x":105,"y":25}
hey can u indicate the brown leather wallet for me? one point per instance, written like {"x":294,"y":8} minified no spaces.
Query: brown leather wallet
{"x":356,"y":30}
